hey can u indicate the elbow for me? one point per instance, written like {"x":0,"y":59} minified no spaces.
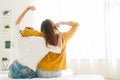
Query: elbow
{"x":74,"y":24}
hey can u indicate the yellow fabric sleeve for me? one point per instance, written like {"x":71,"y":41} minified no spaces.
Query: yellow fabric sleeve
{"x":29,"y":32}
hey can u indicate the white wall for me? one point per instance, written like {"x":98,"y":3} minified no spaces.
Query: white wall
{"x":17,"y":6}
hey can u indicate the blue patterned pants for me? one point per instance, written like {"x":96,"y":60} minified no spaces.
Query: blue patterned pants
{"x":18,"y":71}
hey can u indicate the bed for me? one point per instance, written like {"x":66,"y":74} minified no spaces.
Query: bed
{"x":3,"y":76}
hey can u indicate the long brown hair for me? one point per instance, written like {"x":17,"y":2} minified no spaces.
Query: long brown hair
{"x":48,"y":30}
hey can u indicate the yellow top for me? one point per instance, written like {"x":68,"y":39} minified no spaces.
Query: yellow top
{"x":30,"y":32}
{"x":52,"y":61}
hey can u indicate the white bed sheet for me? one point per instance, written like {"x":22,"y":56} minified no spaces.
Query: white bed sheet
{"x":67,"y":77}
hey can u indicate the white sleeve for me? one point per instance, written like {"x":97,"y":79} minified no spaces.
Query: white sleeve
{"x":54,"y":49}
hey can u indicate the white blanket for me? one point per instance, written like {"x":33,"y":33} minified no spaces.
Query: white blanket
{"x":4,"y":76}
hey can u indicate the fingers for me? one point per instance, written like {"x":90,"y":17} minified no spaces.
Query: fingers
{"x":29,"y":28}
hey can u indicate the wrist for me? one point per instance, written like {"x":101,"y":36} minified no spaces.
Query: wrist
{"x":27,"y":8}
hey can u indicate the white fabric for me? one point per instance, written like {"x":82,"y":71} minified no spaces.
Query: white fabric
{"x":31,"y":50}
{"x":68,"y":77}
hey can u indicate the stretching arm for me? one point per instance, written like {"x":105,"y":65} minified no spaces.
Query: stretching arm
{"x":74,"y":26}
{"x":23,"y":14}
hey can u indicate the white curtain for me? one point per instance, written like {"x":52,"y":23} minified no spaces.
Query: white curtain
{"x":94,"y":49}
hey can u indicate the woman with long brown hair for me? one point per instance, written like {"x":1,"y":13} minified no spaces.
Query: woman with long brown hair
{"x":52,"y":64}
{"x":32,"y":49}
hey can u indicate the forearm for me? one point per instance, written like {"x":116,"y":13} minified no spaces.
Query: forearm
{"x":74,"y":26}
{"x":21,"y":16}
{"x":70,"y":23}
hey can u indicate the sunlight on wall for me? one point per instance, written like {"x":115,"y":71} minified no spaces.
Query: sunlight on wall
{"x":115,"y":29}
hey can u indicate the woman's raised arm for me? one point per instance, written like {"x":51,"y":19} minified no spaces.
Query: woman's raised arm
{"x":23,"y":14}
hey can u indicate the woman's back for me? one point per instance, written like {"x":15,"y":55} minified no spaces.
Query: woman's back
{"x":30,"y":50}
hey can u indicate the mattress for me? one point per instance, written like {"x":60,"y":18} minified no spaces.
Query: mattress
{"x":4,"y":76}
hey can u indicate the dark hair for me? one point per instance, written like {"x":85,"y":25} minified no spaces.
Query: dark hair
{"x":48,"y":30}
